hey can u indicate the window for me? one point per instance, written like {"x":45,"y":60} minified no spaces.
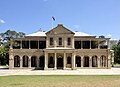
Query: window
{"x":51,"y":41}
{"x":42,"y":44}
{"x":51,"y":60}
{"x":69,"y":41}
{"x":69,"y":60}
{"x":60,"y":41}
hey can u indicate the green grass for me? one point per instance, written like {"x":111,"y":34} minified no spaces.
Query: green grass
{"x":116,"y":64}
{"x":60,"y":81}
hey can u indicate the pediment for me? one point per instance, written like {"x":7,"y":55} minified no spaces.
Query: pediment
{"x":60,"y":29}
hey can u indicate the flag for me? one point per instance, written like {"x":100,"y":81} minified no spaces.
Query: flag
{"x":53,"y":18}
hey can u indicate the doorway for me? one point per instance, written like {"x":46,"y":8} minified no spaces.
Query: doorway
{"x":60,"y":62}
{"x":42,"y":62}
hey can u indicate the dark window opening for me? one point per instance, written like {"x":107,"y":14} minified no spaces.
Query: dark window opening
{"x":86,"y":44}
{"x":16,"y":45}
{"x":77,"y":45}
{"x":51,"y":62}
{"x":42,"y":44}
{"x":68,"y":60}
{"x":25,"y":44}
{"x":51,"y":41}
{"x":60,"y":41}
{"x":94,"y":44}
{"x":34,"y":44}
{"x":69,"y":41}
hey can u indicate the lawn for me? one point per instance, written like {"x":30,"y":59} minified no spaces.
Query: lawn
{"x":60,"y":81}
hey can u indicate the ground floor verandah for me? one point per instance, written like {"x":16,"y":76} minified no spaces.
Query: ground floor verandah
{"x":60,"y":61}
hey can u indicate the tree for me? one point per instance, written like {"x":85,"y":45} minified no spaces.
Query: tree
{"x":5,"y":44}
{"x":3,"y":55}
{"x":116,"y":49}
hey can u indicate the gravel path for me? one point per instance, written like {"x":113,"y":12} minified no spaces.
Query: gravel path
{"x":112,"y":71}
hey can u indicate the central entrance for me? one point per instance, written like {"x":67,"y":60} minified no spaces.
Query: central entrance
{"x":60,"y":62}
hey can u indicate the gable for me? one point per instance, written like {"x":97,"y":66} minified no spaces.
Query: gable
{"x":60,"y":29}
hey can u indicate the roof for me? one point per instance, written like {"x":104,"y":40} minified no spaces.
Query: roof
{"x":42,"y":33}
{"x":82,"y":34}
{"x":60,"y":29}
{"x":38,"y":33}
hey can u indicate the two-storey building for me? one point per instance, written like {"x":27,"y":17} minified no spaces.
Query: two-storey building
{"x":59,"y":48}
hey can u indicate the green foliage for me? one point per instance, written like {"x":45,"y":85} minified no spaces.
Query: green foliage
{"x":5,"y":44}
{"x":116,"y":49}
{"x":3,"y":55}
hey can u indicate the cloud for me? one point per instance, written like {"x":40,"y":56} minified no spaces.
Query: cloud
{"x":109,"y":35}
{"x":2,"y":21}
{"x":76,"y":26}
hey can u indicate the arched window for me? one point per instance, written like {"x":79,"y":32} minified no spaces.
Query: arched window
{"x":103,"y":61}
{"x":25,"y":61}
{"x":33,"y":61}
{"x":86,"y":61}
{"x":94,"y":61}
{"x":16,"y":61}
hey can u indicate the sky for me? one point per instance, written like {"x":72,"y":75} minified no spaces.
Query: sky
{"x":95,"y":17}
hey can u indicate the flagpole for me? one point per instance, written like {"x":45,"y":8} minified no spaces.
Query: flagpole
{"x":53,"y":19}
{"x":52,"y":23}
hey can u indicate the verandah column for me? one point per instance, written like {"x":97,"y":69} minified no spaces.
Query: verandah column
{"x":21,"y":62}
{"x":81,"y":61}
{"x":81,"y":44}
{"x":73,"y":61}
{"x":21,"y":45}
{"x":38,"y":44}
{"x":98,"y":62}
{"x":90,"y":44}
{"x":55,"y":66}
{"x":29,"y":62}
{"x":46,"y":60}
{"x":90,"y":61}
{"x":64,"y":67}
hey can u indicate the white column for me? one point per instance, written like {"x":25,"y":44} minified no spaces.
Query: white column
{"x":29,"y":62}
{"x":73,"y":61}
{"x":90,"y":61}
{"x":73,"y":42}
{"x":81,"y":44}
{"x":98,"y":44}
{"x":55,"y":65}
{"x":108,"y":43}
{"x":108,"y":60}
{"x":29,"y":44}
{"x":21,"y":62}
{"x":64,"y":67}
{"x":38,"y":44}
{"x":46,"y":60}
{"x":21,"y":45}
{"x":98,"y":59}
{"x":90,"y":44}
{"x":11,"y":61}
{"x":82,"y":61}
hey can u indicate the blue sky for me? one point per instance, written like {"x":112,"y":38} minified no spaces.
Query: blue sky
{"x":96,"y":17}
